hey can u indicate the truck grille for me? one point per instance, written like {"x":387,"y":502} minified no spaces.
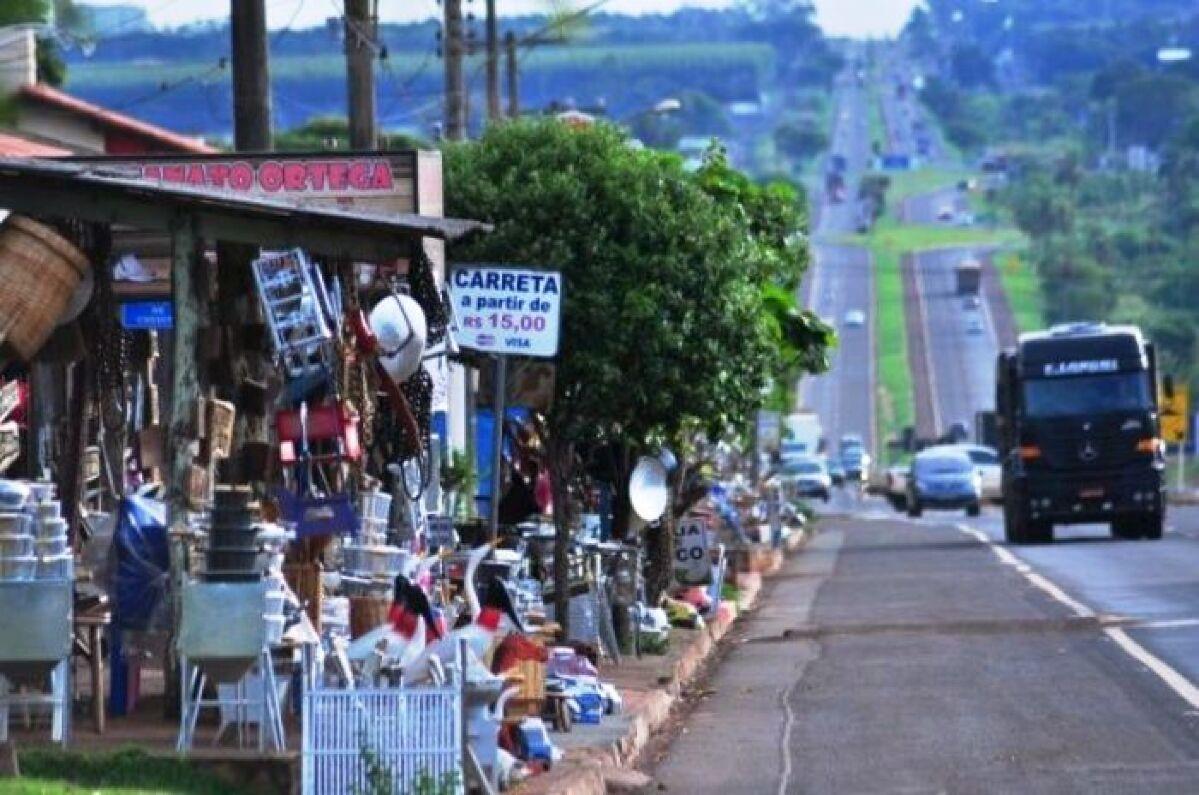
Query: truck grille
{"x":1088,"y":450}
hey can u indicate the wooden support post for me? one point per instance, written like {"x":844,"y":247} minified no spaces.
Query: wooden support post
{"x":186,"y":260}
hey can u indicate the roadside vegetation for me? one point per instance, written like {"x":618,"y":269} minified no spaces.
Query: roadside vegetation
{"x":125,"y":772}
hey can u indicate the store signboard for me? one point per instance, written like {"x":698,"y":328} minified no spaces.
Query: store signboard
{"x":147,"y":316}
{"x":507,"y":310}
{"x":692,"y":563}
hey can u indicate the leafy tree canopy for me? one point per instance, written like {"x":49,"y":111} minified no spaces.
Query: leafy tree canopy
{"x":665,"y":318}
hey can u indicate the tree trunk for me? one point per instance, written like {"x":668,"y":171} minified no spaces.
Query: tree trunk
{"x":660,"y":544}
{"x":561,"y":463}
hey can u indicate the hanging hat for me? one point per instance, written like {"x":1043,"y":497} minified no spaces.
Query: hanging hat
{"x":399,"y":323}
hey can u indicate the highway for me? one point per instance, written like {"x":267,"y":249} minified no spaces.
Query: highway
{"x":840,"y":280}
{"x":898,"y":655}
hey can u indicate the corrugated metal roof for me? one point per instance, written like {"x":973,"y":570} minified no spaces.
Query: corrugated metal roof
{"x":16,"y":146}
{"x":170,"y":141}
{"x":87,"y":191}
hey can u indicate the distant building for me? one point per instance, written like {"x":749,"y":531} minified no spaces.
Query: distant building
{"x":46,"y":115}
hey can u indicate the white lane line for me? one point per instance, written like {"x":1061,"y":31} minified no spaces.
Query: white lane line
{"x":1163,"y":670}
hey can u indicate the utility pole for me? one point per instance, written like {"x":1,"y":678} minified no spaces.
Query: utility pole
{"x":251,"y":76}
{"x":513,"y":76}
{"x":494,"y":113}
{"x":455,"y":107}
{"x":360,"y":73}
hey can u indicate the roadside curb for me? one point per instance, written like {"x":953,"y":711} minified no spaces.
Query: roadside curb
{"x":585,"y":771}
{"x":1188,"y":497}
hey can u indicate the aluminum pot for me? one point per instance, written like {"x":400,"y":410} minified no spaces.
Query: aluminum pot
{"x":13,"y":522}
{"x":58,"y":567}
{"x":374,"y":560}
{"x":13,"y":495}
{"x":20,"y":568}
{"x":51,"y":547}
{"x":15,"y":545}
{"x":51,"y":528}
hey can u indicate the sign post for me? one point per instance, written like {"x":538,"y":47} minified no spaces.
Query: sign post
{"x":506,"y":311}
{"x":1175,"y":413}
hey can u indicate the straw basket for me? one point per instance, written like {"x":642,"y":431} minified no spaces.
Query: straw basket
{"x":39,"y":271}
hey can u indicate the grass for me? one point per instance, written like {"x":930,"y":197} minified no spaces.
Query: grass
{"x":1023,"y":288}
{"x":126,"y":772}
{"x":896,"y":403}
{"x":905,"y":184}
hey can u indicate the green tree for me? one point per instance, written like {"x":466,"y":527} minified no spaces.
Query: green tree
{"x":1041,"y":207}
{"x":664,"y":325}
{"x":800,"y":140}
{"x":50,"y":66}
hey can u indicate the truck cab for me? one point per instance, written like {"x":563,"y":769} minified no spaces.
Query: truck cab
{"x":1077,"y":424}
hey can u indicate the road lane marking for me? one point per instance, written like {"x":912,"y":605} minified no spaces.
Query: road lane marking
{"x":1160,"y":668}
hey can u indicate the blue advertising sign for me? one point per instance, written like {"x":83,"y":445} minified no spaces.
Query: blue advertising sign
{"x":147,"y":316}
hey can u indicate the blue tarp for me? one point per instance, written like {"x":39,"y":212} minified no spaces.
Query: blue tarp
{"x":143,"y":562}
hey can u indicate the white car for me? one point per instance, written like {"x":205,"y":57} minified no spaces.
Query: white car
{"x":807,"y":476}
{"x":855,"y":318}
{"x":986,"y":461}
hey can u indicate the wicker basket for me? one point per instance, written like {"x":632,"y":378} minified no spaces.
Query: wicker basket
{"x":39,"y":271}
{"x":529,"y":699}
{"x":305,"y":581}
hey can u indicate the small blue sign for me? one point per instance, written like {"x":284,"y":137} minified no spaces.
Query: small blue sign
{"x":147,"y":316}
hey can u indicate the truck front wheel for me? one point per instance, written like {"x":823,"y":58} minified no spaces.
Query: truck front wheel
{"x":1151,"y":527}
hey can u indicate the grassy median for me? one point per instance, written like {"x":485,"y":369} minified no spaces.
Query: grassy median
{"x":127,"y":772}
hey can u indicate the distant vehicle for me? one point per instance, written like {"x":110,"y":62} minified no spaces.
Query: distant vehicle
{"x":850,"y":441}
{"x":971,"y":302}
{"x":896,"y":488}
{"x":958,"y":432}
{"x":834,"y":186}
{"x":943,"y":478}
{"x":836,"y":472}
{"x":945,"y":212}
{"x":856,"y":462}
{"x":974,"y":325}
{"x":986,"y":461}
{"x":838,"y":162}
{"x":807,"y":477}
{"x":801,"y":435}
{"x":1077,"y":415}
{"x":968,"y":276}
{"x":855,"y":318}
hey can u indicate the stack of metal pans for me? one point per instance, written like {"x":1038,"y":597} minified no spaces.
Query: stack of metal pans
{"x":232,"y":537}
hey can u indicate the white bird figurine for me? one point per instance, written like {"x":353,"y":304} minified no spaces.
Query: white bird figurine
{"x":485,"y":623}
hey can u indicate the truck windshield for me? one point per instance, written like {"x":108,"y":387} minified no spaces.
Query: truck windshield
{"x":1095,"y":394}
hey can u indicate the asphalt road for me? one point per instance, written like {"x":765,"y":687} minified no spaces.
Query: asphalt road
{"x":842,"y":280}
{"x":893,"y":656}
{"x":961,"y":342}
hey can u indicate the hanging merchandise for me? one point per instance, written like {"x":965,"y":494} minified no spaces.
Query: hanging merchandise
{"x":296,"y":306}
{"x":399,"y":325}
{"x":309,"y":440}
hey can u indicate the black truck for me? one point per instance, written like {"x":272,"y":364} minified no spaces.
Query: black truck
{"x":1077,"y":421}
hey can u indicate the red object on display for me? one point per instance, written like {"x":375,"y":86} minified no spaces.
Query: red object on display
{"x":330,"y":422}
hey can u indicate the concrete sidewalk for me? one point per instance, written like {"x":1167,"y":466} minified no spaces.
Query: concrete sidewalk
{"x":598,"y":757}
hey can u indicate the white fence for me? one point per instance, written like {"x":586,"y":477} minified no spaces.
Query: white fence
{"x":411,"y":737}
